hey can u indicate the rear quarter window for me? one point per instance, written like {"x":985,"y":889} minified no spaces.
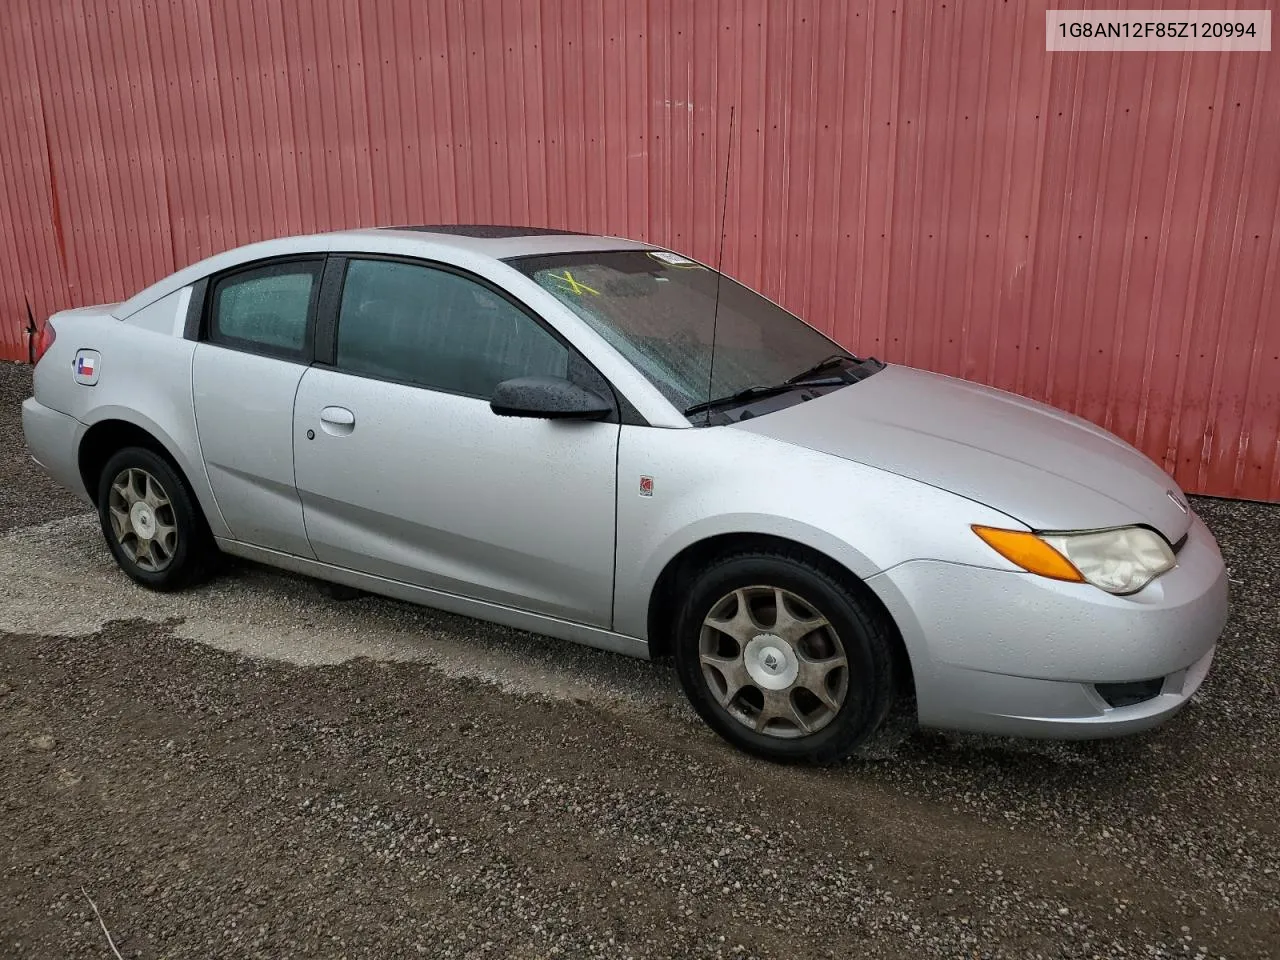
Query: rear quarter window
{"x":266,"y":309}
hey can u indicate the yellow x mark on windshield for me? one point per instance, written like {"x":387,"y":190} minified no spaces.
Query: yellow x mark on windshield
{"x":573,"y":286}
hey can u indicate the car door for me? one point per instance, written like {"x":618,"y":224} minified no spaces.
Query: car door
{"x":254,"y":344}
{"x":405,"y":471}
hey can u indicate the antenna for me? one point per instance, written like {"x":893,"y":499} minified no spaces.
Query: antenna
{"x":715,"y":316}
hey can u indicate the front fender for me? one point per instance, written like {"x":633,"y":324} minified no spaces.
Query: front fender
{"x":631,"y":611}
{"x":713,"y":481}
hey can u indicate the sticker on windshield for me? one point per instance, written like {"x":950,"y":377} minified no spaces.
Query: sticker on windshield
{"x":565,"y":281}
{"x":675,"y":260}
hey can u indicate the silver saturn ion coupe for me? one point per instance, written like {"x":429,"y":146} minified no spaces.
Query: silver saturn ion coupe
{"x":608,"y":442}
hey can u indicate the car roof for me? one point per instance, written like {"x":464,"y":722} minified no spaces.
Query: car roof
{"x":499,"y":242}
{"x":488,"y":231}
{"x":427,"y":241}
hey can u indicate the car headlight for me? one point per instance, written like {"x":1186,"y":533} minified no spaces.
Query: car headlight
{"x":1122,"y":560}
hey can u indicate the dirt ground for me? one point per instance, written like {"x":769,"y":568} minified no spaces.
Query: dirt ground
{"x":255,"y":769}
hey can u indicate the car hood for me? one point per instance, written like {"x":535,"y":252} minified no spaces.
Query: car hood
{"x":1044,"y":467}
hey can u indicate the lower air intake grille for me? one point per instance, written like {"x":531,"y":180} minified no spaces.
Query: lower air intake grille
{"x":1127,"y":694}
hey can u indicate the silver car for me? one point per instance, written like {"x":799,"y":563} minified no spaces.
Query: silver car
{"x":605,"y":441}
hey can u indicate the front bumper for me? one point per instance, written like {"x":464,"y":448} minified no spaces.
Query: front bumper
{"x":53,"y":439}
{"x":1011,"y":653}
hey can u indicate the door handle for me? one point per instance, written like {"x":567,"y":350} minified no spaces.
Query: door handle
{"x":338,"y":416}
{"x":337,"y":421}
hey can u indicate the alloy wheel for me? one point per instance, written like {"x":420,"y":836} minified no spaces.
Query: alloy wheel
{"x":142,"y":519}
{"x":773,"y":662}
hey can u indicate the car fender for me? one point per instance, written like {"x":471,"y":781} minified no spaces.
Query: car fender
{"x":631,"y":611}
{"x":141,"y":370}
{"x":192,"y":469}
{"x":680,"y":487}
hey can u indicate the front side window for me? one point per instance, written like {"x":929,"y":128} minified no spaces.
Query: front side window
{"x":656,"y":309}
{"x":437,"y":329}
{"x":266,"y":309}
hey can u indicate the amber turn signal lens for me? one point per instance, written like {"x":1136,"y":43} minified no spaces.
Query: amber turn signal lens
{"x":1029,"y":552}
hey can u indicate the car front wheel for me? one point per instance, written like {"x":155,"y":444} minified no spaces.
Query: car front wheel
{"x":151,"y":522}
{"x":783,"y":659}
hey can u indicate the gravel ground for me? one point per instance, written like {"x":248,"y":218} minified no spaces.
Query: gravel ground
{"x":256,"y":769}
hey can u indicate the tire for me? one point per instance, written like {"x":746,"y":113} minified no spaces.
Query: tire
{"x":826,"y":710}
{"x":180,"y":550}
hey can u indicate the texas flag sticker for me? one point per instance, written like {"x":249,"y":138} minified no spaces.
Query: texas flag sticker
{"x":86,"y":365}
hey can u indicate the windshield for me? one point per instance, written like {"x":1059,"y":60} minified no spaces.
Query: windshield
{"x":656,"y":308}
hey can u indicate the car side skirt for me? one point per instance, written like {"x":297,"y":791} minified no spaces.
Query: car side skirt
{"x":451,"y":603}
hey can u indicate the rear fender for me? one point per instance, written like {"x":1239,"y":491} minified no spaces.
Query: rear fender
{"x":192,"y":468}
{"x":139,"y":370}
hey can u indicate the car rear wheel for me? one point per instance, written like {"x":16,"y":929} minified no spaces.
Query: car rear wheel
{"x":784,"y":659}
{"x":151,"y":522}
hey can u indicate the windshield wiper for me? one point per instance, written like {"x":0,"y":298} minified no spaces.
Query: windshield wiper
{"x":831,"y":361}
{"x":757,"y":392}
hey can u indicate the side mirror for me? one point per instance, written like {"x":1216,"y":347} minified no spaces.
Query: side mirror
{"x":548,"y":398}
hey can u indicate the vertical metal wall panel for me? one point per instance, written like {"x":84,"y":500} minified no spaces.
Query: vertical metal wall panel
{"x":32,"y":244}
{"x":921,"y":180}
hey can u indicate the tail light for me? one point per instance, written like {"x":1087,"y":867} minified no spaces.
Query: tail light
{"x":45,"y":340}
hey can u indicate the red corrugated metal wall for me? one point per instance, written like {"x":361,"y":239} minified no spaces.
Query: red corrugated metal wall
{"x":921,"y":179}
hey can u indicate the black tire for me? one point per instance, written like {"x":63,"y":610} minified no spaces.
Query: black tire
{"x":192,"y":557}
{"x":863,"y":630}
